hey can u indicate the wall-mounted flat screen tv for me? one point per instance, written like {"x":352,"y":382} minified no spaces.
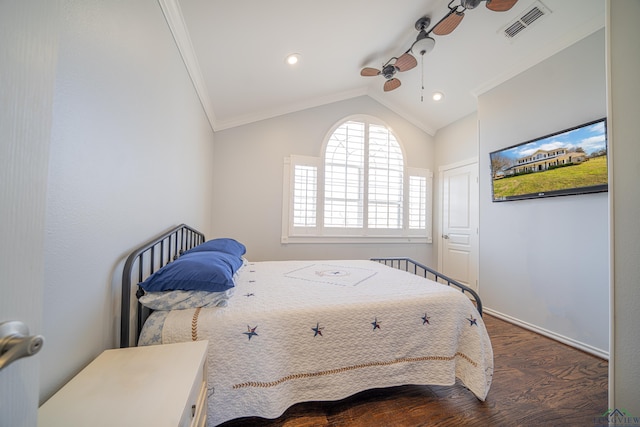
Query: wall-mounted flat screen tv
{"x":572,"y":161}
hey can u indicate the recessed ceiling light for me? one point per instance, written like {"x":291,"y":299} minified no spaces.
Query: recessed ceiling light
{"x":293,"y":59}
{"x":437,"y":96}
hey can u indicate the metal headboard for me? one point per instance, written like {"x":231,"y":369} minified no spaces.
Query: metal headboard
{"x":143,"y":262}
{"x":407,"y":264}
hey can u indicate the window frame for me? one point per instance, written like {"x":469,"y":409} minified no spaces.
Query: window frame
{"x":321,"y":234}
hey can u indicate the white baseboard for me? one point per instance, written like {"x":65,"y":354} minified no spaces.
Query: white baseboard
{"x":549,"y":334}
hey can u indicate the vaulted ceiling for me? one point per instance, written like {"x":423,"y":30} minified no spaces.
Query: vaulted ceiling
{"x":235,"y":53}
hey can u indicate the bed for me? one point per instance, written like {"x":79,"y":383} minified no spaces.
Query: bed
{"x":283,"y":332}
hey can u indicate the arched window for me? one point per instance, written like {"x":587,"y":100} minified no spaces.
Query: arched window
{"x":363,"y":172}
{"x":360,"y":189}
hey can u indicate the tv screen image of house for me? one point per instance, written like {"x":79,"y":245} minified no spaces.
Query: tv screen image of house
{"x":572,"y":161}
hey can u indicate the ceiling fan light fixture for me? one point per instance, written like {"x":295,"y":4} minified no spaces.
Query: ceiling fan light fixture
{"x":470,"y":4}
{"x":423,"y":45}
{"x":388,"y":71}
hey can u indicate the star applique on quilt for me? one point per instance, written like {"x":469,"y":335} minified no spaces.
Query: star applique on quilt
{"x":425,"y":319}
{"x":376,"y":324}
{"x":472,"y":321}
{"x":317,"y":330}
{"x":251,"y":332}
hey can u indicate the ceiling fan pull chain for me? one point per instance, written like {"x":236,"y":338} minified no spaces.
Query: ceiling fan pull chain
{"x":422,"y":79}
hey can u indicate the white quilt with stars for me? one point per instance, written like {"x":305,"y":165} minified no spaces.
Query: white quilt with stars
{"x":299,"y":331}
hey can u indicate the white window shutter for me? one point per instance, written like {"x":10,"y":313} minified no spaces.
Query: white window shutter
{"x":359,"y":191}
{"x":300,"y":196}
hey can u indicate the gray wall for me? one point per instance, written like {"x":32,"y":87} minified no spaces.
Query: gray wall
{"x":545,"y":261}
{"x":624,"y":93}
{"x":248,"y":173}
{"x":130,"y":155}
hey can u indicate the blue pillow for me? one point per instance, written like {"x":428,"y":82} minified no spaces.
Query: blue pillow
{"x":225,"y":244}
{"x":234,"y":261}
{"x":200,"y":271}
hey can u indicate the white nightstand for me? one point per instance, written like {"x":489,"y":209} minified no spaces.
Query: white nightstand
{"x":159,"y":385}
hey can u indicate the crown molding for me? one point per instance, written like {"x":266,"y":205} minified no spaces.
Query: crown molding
{"x":290,"y":108}
{"x":175,"y":21}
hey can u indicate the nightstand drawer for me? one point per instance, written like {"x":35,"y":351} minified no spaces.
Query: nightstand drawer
{"x":161,"y":385}
{"x":195,"y":410}
{"x":200,"y":410}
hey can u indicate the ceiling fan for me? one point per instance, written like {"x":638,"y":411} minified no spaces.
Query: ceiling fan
{"x":424,"y":43}
{"x":406,"y":61}
{"x":452,"y":19}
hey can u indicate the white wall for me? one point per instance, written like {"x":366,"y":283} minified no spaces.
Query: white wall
{"x":455,"y":143}
{"x":130,"y":156}
{"x":545,"y":261}
{"x":624,"y":126}
{"x":458,"y":141}
{"x":248,"y":179}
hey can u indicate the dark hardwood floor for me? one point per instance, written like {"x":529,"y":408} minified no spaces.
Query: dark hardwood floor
{"x":537,"y":382}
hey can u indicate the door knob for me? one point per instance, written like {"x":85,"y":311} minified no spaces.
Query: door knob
{"x":445,"y":236}
{"x":15,"y":342}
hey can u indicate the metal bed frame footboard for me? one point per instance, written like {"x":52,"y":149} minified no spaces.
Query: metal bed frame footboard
{"x":411,"y":266}
{"x":143,"y":262}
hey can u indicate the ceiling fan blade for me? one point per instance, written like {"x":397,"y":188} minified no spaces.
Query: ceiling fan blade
{"x":406,"y":62}
{"x":391,"y":84}
{"x":448,"y":23}
{"x":369,"y":72}
{"x":500,"y":5}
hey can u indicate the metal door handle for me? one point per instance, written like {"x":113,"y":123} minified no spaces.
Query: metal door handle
{"x":445,"y":236}
{"x":15,"y":342}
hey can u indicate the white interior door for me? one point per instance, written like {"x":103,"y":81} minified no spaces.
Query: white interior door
{"x":458,"y":254}
{"x":27,"y":67}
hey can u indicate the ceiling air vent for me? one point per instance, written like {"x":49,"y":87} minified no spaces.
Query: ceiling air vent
{"x":530,"y":15}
